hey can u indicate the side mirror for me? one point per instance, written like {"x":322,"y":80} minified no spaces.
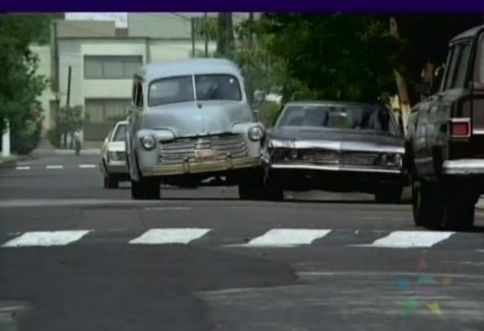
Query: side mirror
{"x":424,"y":89}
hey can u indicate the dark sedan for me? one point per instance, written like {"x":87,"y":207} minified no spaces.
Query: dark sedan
{"x":336,"y":146}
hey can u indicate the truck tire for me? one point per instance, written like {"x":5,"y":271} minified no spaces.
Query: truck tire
{"x":459,"y":210}
{"x":428,"y":204}
{"x":145,"y":189}
{"x":274,"y":188}
{"x":251,"y":186}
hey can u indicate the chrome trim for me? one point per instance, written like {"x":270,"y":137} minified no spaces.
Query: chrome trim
{"x":464,"y":167}
{"x":333,"y":168}
{"x":477,"y":131}
{"x":337,"y":146}
{"x":201,"y":167}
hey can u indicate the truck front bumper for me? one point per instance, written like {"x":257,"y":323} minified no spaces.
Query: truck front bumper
{"x":202,"y":167}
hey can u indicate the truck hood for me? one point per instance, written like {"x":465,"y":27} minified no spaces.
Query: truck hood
{"x":197,"y":118}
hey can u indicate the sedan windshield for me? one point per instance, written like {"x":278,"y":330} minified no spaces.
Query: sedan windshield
{"x":338,"y":117}
{"x":180,"y":89}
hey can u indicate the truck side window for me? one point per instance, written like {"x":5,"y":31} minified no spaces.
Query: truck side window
{"x":458,"y":66}
{"x":481,"y":61}
{"x":449,"y":77}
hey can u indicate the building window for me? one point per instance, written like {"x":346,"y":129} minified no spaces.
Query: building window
{"x":111,"y":67}
{"x":106,"y":110}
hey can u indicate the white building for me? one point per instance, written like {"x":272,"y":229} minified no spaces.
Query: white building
{"x":103,"y":58}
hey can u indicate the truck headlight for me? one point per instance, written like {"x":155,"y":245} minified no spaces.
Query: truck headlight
{"x":256,"y":133}
{"x":148,"y":142}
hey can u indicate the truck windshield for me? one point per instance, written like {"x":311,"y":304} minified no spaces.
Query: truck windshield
{"x":339,"y":117}
{"x":180,"y":89}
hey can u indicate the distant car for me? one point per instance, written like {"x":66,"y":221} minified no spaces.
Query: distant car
{"x":113,"y":162}
{"x":336,"y":146}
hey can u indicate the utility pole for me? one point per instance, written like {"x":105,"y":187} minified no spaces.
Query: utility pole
{"x":225,"y":39}
{"x":205,"y":22}
{"x":192,"y":20}
{"x":68,"y":99}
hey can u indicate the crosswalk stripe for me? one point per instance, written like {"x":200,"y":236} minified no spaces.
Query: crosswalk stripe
{"x":169,"y":236}
{"x":46,"y":238}
{"x":411,"y":239}
{"x":22,"y":168}
{"x":54,"y":167}
{"x":87,"y":166}
{"x":287,"y":237}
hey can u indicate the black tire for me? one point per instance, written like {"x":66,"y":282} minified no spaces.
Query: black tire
{"x":110,"y":182}
{"x":459,"y":210}
{"x":392,"y":194}
{"x":274,"y":188}
{"x":251,"y":186}
{"x":145,"y":189}
{"x":428,"y":204}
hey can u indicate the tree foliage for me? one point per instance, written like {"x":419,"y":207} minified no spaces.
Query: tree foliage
{"x":20,"y":85}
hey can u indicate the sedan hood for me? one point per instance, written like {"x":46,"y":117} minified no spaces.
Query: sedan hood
{"x":202,"y":118}
{"x":338,"y":139}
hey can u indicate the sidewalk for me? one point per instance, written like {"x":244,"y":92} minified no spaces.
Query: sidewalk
{"x":12,"y":159}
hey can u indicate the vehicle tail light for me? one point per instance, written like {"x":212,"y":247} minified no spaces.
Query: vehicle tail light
{"x":460,"y":128}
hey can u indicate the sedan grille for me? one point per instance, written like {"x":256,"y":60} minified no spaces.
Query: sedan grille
{"x":330,"y":157}
{"x":219,"y":147}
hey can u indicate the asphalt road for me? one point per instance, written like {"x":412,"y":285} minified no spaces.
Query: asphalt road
{"x":74,"y":256}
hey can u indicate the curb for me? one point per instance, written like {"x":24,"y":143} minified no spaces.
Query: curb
{"x":93,"y":151}
{"x":12,"y":160}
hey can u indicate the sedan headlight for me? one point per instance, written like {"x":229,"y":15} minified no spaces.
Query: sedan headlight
{"x":390,"y":159}
{"x":148,"y":142}
{"x":256,"y":133}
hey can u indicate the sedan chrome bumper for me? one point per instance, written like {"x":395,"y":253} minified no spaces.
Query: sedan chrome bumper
{"x":463,"y":167}
{"x":202,"y":167}
{"x":341,"y":168}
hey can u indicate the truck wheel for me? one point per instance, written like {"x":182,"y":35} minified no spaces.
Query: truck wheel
{"x":251,"y":186}
{"x":459,"y":211}
{"x":145,"y":189}
{"x":274,"y":188}
{"x":110,"y":182}
{"x":428,"y":204}
{"x":392,"y":194}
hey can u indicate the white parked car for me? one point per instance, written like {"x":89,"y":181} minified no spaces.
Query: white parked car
{"x":113,"y":162}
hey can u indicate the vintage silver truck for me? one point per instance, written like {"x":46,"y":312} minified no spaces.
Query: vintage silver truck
{"x":191,"y":120}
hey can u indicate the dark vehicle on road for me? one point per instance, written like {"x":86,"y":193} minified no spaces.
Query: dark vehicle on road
{"x":336,"y":146}
{"x":445,"y":139}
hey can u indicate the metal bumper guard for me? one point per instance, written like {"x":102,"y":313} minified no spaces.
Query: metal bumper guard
{"x":202,"y":167}
{"x":464,"y":167}
{"x":334,"y":168}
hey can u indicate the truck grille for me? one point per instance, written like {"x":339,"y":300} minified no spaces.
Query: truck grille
{"x":327,"y":157}
{"x":183,"y":149}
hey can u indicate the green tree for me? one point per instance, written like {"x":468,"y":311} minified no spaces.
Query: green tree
{"x":20,"y":85}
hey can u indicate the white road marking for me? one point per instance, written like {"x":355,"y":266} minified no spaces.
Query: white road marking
{"x":167,"y":208}
{"x":54,"y":167}
{"x":169,"y":236}
{"x":410,"y":239}
{"x":22,"y":168}
{"x":46,"y":238}
{"x":287,"y":237}
{"x":87,"y":166}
